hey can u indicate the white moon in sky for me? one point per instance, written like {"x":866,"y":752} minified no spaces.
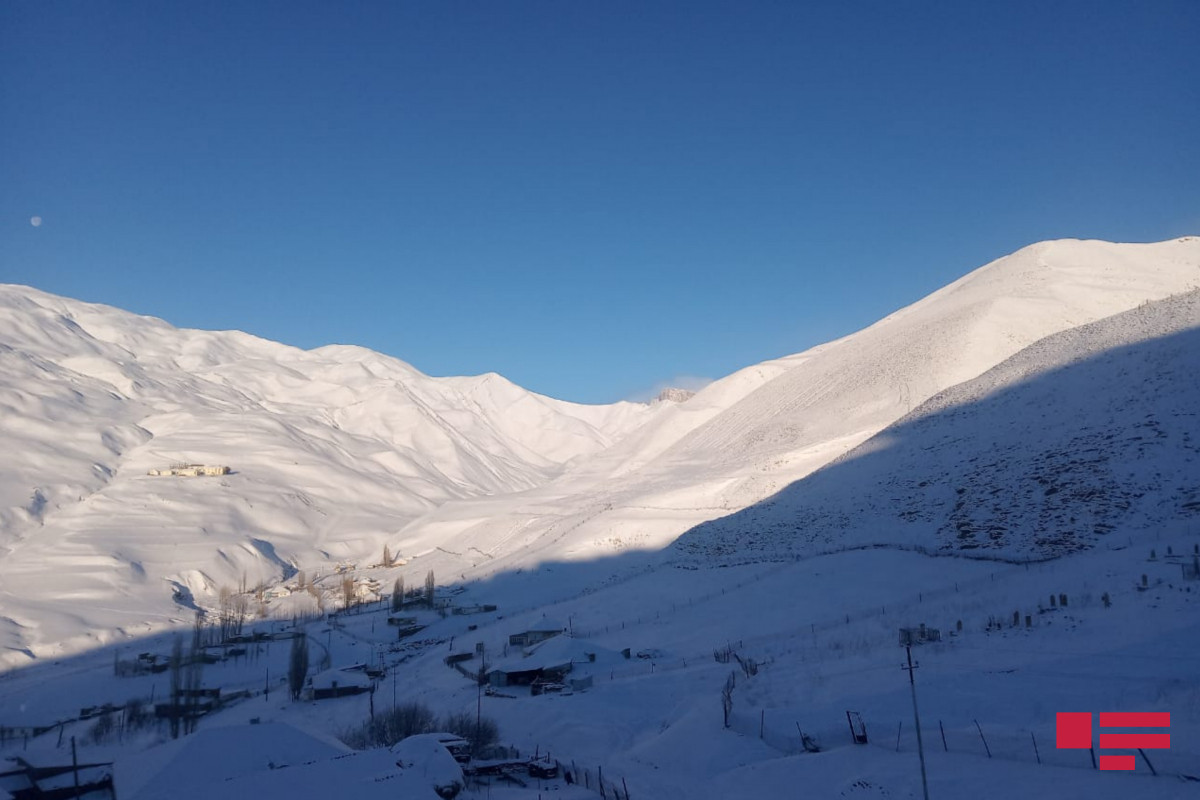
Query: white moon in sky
{"x":35,"y":221}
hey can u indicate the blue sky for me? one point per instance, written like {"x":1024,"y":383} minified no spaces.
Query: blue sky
{"x":589,"y":198}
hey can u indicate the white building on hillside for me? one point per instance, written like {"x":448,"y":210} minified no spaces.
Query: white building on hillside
{"x":192,"y":470}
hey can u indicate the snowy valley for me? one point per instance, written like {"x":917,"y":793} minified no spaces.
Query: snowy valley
{"x":1012,"y":462}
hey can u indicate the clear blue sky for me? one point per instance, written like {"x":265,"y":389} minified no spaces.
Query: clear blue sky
{"x":590,"y":198}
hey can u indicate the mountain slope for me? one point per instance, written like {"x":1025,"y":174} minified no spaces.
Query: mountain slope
{"x":749,"y":435}
{"x":331,"y":451}
{"x":1088,"y":432}
{"x":339,"y":451}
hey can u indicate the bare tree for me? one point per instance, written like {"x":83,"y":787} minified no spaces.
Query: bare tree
{"x":727,"y":696}
{"x":192,"y":678}
{"x":298,"y":665}
{"x":387,"y":556}
{"x":224,"y":604}
{"x":429,"y":589}
{"x":176,"y":683}
{"x":347,"y":591}
{"x":398,"y":595}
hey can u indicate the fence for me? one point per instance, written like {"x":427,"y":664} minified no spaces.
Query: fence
{"x":781,"y":731}
{"x":982,"y":739}
{"x":990,"y":740}
{"x":605,"y":785}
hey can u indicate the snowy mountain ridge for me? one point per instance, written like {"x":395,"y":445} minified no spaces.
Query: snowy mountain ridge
{"x":339,"y":451}
{"x":1085,"y":433}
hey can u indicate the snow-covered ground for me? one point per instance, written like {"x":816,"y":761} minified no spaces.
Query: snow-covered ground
{"x":1029,"y":431}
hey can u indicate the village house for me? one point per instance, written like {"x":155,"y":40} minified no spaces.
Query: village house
{"x":481,"y":608}
{"x":28,"y":782}
{"x":191,"y":470}
{"x":550,"y":661}
{"x":340,"y":682}
{"x":541,"y":631}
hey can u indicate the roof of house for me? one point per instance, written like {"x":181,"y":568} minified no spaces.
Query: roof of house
{"x":546,"y":625}
{"x":366,"y":775}
{"x":560,"y":651}
{"x":343,"y":677}
{"x":217,"y":754}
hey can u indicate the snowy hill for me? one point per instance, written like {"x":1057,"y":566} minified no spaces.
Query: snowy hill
{"x":1044,"y":405}
{"x":1089,"y":432}
{"x":339,"y":451}
{"x":331,"y":451}
{"x":749,"y":435}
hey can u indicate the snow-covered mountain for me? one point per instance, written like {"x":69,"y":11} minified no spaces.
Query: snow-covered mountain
{"x":749,"y":435}
{"x":339,"y":451}
{"x":1088,"y":433}
{"x":331,"y":451}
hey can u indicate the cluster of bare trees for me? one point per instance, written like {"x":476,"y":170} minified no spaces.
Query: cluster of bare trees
{"x":134,"y":715}
{"x":186,"y":673}
{"x":409,"y":719}
{"x":426,"y":595}
{"x":232,"y":612}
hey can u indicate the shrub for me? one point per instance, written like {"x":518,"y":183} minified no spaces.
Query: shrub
{"x":391,"y":726}
{"x":481,"y":735}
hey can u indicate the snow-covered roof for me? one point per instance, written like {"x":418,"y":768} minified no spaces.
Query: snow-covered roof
{"x":546,"y":625}
{"x":425,"y":755}
{"x":217,"y":754}
{"x":343,"y":677}
{"x":558,"y":652}
{"x":366,"y":775}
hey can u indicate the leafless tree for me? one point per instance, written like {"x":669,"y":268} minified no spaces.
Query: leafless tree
{"x":298,"y":665}
{"x":192,"y":678}
{"x":398,"y":595}
{"x":176,"y":683}
{"x":727,"y":696}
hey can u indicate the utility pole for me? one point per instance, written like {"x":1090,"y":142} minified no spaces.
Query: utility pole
{"x":479,"y":696}
{"x":916,"y":717}
{"x":75,"y":765}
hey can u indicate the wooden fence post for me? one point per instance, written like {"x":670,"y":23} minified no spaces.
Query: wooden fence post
{"x":985,"y":744}
{"x":1148,"y":764}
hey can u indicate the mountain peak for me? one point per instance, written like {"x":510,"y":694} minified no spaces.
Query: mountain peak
{"x":673,"y":395}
